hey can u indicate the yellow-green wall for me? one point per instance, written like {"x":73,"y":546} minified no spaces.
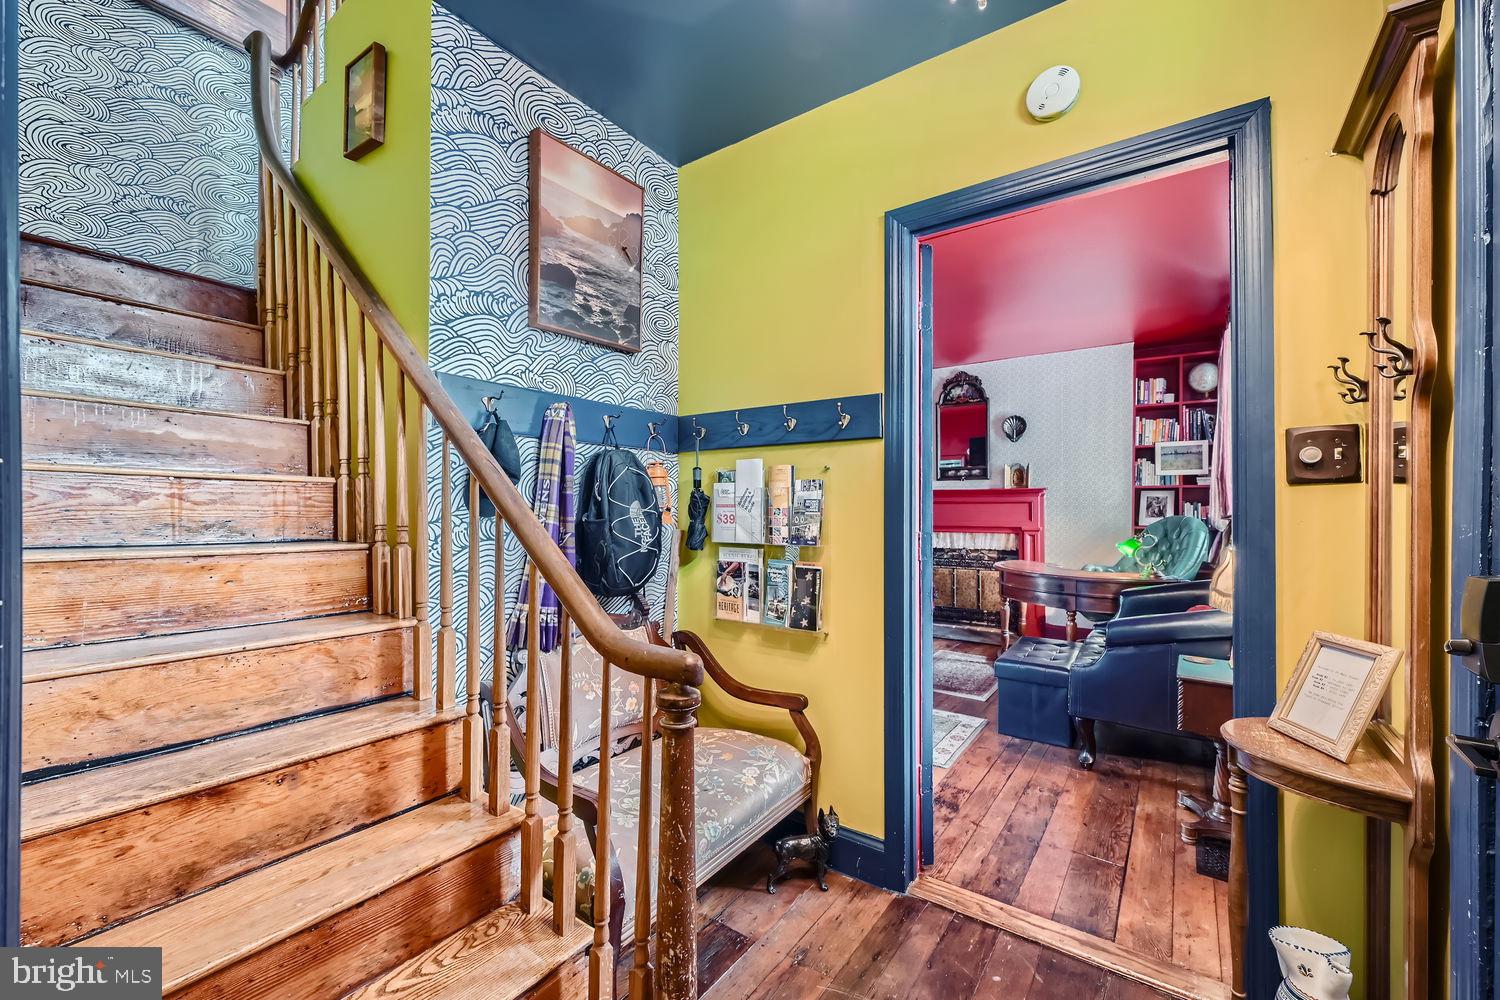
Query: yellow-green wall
{"x":379,"y":203}
{"x":783,"y":267}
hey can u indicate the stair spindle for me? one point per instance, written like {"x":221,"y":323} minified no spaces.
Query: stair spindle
{"x":265,"y":307}
{"x":447,"y":644}
{"x":421,"y":596}
{"x":380,"y":550}
{"x":401,"y":582}
{"x":327,"y":331}
{"x":362,"y":530}
{"x":343,"y":500}
{"x":602,"y":954}
{"x":642,"y":972}
{"x":294,"y":313}
{"x":473,"y":773}
{"x":564,"y":862}
{"x":315,"y":352}
{"x":531,"y":826}
{"x":499,"y":731}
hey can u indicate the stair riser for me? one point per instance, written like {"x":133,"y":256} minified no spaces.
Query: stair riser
{"x":107,"y":275}
{"x":328,"y":959}
{"x":81,"y":880}
{"x":97,"y":599}
{"x":99,"y":372}
{"x":73,"y":720}
{"x":569,"y":981}
{"x":53,"y":310}
{"x":111,"y":435}
{"x":79,"y":508}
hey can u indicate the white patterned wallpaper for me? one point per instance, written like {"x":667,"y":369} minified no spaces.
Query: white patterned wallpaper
{"x":135,"y":137}
{"x":485,"y":103}
{"x":1077,"y":406}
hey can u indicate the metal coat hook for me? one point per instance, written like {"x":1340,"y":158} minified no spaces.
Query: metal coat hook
{"x":654,"y":436}
{"x":844,"y":418}
{"x":489,"y":402}
{"x":790,"y":422}
{"x":740,"y":425}
{"x":1355,"y":389}
{"x":1397,"y":365}
{"x":699,"y":433}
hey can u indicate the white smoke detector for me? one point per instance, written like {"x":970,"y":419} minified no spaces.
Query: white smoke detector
{"x":1053,"y":93}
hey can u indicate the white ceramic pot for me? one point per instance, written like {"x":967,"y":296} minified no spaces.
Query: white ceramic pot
{"x":1313,"y":966}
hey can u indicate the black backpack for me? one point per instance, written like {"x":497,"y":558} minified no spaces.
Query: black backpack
{"x":619,"y":526}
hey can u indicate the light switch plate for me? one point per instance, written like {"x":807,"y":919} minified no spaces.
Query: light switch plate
{"x":1326,"y":454}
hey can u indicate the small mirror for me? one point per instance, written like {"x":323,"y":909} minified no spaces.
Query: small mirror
{"x":963,"y":429}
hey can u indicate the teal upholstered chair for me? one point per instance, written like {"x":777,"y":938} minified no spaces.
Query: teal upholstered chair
{"x":1173,"y":548}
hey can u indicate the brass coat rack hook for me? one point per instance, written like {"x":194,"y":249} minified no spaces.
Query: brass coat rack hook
{"x":740,"y":425}
{"x":844,"y":418}
{"x":1355,"y":389}
{"x":789,"y":421}
{"x":1398,"y":364}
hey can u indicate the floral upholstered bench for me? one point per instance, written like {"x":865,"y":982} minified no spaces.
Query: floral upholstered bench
{"x":745,"y":783}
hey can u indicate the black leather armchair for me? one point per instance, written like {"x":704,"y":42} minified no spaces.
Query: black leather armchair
{"x":1126,"y":672}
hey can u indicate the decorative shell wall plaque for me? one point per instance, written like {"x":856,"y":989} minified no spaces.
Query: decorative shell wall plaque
{"x":1013,"y":427}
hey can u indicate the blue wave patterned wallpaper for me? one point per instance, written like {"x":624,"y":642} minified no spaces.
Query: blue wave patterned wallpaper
{"x":135,"y":137}
{"x":485,"y":103}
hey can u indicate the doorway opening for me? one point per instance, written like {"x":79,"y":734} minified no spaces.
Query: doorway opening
{"x":1058,"y":481}
{"x":1082,"y":490}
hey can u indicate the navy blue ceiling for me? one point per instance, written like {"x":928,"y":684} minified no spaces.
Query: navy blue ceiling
{"x":688,"y":77}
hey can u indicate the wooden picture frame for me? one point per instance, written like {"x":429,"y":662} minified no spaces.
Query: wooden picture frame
{"x":1334,"y":692}
{"x":364,"y":93}
{"x":614,"y":206}
{"x":1201,"y":450}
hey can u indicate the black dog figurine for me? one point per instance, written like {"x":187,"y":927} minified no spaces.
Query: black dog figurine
{"x":810,"y":847}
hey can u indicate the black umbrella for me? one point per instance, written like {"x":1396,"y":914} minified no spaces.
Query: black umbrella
{"x":697,"y":532}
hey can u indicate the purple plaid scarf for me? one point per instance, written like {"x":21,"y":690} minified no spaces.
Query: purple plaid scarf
{"x":555,"y":505}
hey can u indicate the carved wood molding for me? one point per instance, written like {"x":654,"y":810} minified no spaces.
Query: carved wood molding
{"x":1404,"y":27}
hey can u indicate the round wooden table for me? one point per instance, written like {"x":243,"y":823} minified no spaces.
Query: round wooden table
{"x":1072,"y":590}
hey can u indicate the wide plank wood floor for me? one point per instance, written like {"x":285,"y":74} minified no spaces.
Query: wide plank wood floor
{"x":1097,"y":850}
{"x":861,"y":942}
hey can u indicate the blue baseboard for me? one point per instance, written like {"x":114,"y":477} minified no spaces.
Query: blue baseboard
{"x":864,"y":857}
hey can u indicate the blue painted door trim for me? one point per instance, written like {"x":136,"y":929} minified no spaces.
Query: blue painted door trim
{"x":1245,"y":132}
{"x":10,"y":494}
{"x":929,"y":444}
{"x":1476,"y":550}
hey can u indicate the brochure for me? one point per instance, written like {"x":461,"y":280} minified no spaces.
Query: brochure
{"x":778,"y":592}
{"x":729,"y":592}
{"x":807,"y":597}
{"x":807,"y":513}
{"x":724,"y":512}
{"x":754,"y":578}
{"x":779,"y":505}
{"x":750,"y":501}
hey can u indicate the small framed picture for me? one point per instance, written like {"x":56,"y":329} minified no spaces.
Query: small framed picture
{"x":1183,"y":458}
{"x":1153,"y":505}
{"x":364,"y":102}
{"x":1333,"y":693}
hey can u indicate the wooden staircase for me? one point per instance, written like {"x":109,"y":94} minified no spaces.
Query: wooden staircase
{"x":224,"y":753}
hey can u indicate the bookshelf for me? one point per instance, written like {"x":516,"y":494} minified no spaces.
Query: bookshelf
{"x":1166,"y":408}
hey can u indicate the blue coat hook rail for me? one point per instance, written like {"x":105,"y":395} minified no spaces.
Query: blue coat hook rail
{"x":523,"y":408}
{"x":843,"y":418}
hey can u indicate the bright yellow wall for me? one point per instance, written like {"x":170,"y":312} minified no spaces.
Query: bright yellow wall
{"x":379,"y":203}
{"x":782,"y":261}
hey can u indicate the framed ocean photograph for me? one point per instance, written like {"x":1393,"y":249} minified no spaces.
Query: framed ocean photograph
{"x":364,"y":102}
{"x":587,"y":229}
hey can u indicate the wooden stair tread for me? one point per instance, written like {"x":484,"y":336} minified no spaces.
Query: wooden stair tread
{"x":70,"y":661}
{"x":138,"y":404}
{"x":110,"y":470}
{"x":105,"y":345}
{"x":218,"y":927}
{"x":88,"y":796}
{"x":127,"y":301}
{"x":181,"y":551}
{"x":499,"y":957}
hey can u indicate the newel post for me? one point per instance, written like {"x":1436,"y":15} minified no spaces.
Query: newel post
{"x":676,"y":892}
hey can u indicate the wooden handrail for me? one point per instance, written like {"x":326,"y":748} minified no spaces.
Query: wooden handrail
{"x":306,"y":19}
{"x":664,"y":663}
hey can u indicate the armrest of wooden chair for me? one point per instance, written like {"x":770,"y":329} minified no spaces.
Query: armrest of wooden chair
{"x":795,"y":705}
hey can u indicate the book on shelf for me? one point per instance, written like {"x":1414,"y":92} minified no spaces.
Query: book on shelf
{"x":807,"y":597}
{"x":807,"y":513}
{"x":1149,"y":391}
{"x":1150,"y":430}
{"x":779,"y":505}
{"x":1200,"y":423}
{"x":1146,"y":475}
{"x":1195,"y":508}
{"x":778,"y":593}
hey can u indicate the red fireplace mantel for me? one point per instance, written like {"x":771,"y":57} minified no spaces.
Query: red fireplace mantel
{"x":1019,"y":512}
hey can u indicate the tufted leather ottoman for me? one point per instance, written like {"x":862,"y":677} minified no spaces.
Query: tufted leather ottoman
{"x":1032,"y":700}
